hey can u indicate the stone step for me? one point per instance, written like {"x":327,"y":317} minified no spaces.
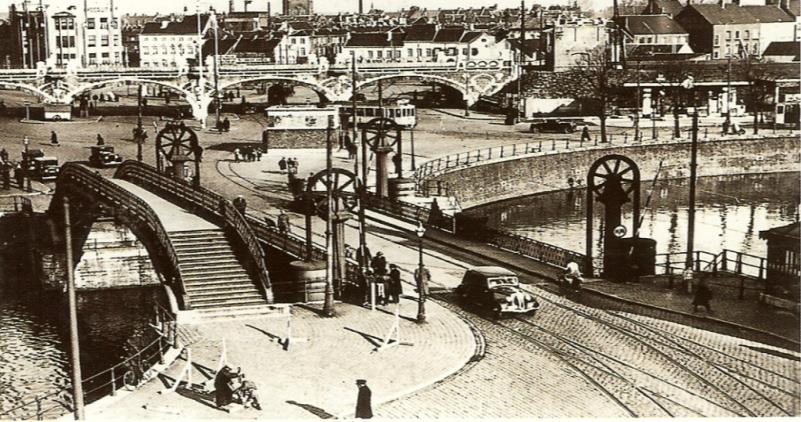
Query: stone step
{"x":209,"y":249}
{"x":249,"y":311}
{"x":221,"y":297}
{"x":233,"y":302}
{"x":203,"y":272}
{"x":195,"y":233}
{"x":200,"y":240}
{"x":199,"y":280}
{"x":188,"y":268}
{"x":233,"y":287}
{"x":210,"y":259}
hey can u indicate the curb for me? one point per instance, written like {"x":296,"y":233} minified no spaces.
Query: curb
{"x":478,"y":354}
{"x":449,"y":113}
{"x":550,"y":278}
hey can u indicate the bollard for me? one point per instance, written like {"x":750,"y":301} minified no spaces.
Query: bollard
{"x":113,"y":383}
{"x":596,"y":140}
{"x":610,"y":139}
{"x":527,"y":150}
{"x":706,"y":132}
{"x":761,"y":268}
{"x":502,"y":151}
{"x":39,"y":408}
{"x":489,"y":154}
{"x":514,"y":149}
{"x":553,"y":145}
{"x":567,"y":143}
{"x":540,"y":145}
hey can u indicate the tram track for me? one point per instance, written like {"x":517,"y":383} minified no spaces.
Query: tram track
{"x":738,"y":396}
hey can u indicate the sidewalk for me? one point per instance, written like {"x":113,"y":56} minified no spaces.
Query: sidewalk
{"x":313,"y":378}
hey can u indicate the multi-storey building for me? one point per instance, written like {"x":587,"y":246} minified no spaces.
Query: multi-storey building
{"x":102,"y":34}
{"x":65,"y":39}
{"x":724,"y":29}
{"x":28,"y":36}
{"x":172,"y":43}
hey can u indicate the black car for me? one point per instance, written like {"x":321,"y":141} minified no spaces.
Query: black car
{"x":558,"y":126}
{"x":497,"y":289}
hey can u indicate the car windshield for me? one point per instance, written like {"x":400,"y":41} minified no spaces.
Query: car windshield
{"x":502,"y":281}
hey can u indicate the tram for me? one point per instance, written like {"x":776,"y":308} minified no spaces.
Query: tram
{"x":403,"y":113}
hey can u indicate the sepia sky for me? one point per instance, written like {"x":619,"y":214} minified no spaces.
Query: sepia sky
{"x":320,"y":6}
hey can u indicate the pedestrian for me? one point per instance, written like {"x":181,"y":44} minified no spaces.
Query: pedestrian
{"x":100,"y":140}
{"x":395,"y":286}
{"x":702,"y":297}
{"x":144,"y":103}
{"x":53,"y":138}
{"x":382,"y":289}
{"x":236,"y":155}
{"x":426,"y":279}
{"x":396,"y":160}
{"x":4,"y":155}
{"x":6,"y":175}
{"x":226,"y":124}
{"x":687,"y":278}
{"x":219,"y":126}
{"x":222,"y":390}
{"x":258,"y":154}
{"x":368,"y":257}
{"x":282,"y":164}
{"x":364,"y":408}
{"x":283,"y":223}
{"x":240,"y":204}
{"x":352,"y":150}
{"x":585,"y":134}
{"x":379,"y":264}
{"x":19,"y":176}
{"x":360,"y":295}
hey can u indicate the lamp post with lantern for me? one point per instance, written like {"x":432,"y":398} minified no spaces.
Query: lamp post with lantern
{"x":421,"y":276}
{"x":26,"y":162}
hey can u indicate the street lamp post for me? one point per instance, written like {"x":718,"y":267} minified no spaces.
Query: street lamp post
{"x":26,"y":162}
{"x":421,"y":279}
{"x":27,"y":110}
{"x":139,"y":129}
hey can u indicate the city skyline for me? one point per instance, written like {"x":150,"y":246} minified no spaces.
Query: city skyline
{"x":156,"y":6}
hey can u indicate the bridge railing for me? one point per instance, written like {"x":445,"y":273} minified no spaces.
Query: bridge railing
{"x":727,"y":261}
{"x":409,"y":213}
{"x":441,"y":165}
{"x":76,"y":176}
{"x":208,"y":202}
{"x":534,"y":249}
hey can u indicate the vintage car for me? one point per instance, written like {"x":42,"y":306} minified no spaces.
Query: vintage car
{"x":560,"y":126}
{"x":30,"y":157}
{"x":497,"y":289}
{"x":45,"y":168}
{"x":104,"y":156}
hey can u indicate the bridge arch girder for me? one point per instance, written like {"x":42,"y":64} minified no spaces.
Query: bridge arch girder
{"x":325,"y":93}
{"x":470,"y":85}
{"x":188,"y":95}
{"x":31,"y":89}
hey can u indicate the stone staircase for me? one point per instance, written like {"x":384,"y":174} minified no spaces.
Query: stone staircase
{"x":215,"y":281}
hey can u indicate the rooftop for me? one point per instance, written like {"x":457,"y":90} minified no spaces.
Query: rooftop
{"x":650,"y":25}
{"x":717,"y":15}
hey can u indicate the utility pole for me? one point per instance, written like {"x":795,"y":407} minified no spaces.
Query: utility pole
{"x":75,"y":350}
{"x":362,"y":175}
{"x":139,"y":129}
{"x":216,"y":67}
{"x":727,"y":122}
{"x":521,"y":56}
{"x":637,"y":107}
{"x":466,"y":82}
{"x":328,"y":305}
{"x":691,"y":210}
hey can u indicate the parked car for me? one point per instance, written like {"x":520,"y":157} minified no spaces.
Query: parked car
{"x":29,"y":158}
{"x":559,"y":126}
{"x":45,"y":168}
{"x":496,"y":289}
{"x":104,"y":156}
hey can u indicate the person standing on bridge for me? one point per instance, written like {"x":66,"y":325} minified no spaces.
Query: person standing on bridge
{"x":283,"y":223}
{"x":282,"y":164}
{"x":364,"y":407}
{"x":379,"y":264}
{"x":585,"y":134}
{"x":4,"y":155}
{"x":395,"y":285}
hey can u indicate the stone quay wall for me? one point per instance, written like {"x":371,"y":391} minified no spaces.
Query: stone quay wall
{"x":496,"y":180}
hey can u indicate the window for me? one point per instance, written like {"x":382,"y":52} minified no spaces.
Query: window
{"x":473,"y":51}
{"x":464,"y":51}
{"x":104,"y":55}
{"x":756,"y":48}
{"x":717,"y":39}
{"x":91,"y":41}
{"x":736,"y":34}
{"x":294,"y":41}
{"x":428,"y":52}
{"x":58,"y":42}
{"x":369,"y":54}
{"x":716,"y":55}
{"x":303,"y":40}
{"x":409,"y":52}
{"x":104,"y":40}
{"x":648,"y":40}
{"x":145,"y":50}
{"x":103,"y":23}
{"x":71,"y":24}
{"x":746,"y":34}
{"x":728,"y":35}
{"x":302,"y":51}
{"x":116,"y":40}
{"x":72,"y":41}
{"x":419,"y":52}
{"x":380,"y":54}
{"x":90,"y":23}
{"x":397,"y":54}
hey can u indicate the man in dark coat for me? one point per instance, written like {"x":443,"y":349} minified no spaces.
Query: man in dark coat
{"x":364,"y":408}
{"x":222,"y":392}
{"x":395,"y":286}
{"x":53,"y":138}
{"x":379,"y":264}
{"x":100,"y":140}
{"x":702,"y":297}
{"x":3,"y":155}
{"x":282,"y":164}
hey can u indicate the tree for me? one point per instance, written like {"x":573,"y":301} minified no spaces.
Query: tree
{"x":675,"y":74}
{"x":759,"y":82}
{"x":593,"y":79}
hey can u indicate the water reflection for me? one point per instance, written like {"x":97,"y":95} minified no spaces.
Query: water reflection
{"x":730,"y":212}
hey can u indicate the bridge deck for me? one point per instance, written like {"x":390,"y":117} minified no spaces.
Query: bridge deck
{"x":173,"y":217}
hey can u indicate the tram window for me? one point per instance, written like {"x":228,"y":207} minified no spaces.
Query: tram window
{"x":780,"y":109}
{"x":368,"y":112}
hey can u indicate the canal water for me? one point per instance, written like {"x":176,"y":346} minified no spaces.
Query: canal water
{"x":730,"y":213}
{"x":34,"y":339}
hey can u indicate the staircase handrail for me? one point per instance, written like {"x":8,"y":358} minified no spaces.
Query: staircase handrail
{"x":84,"y":178}
{"x":240,"y":226}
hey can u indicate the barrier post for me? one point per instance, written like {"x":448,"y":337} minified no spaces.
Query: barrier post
{"x":553,"y":144}
{"x":514,"y":149}
{"x":113,"y":383}
{"x":567,"y":143}
{"x":761,"y":269}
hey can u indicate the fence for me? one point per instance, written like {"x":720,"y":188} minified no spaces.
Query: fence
{"x":729,"y":261}
{"x":409,"y":213}
{"x":442,"y":165}
{"x":534,"y":249}
{"x":9,"y":204}
{"x":104,"y":383}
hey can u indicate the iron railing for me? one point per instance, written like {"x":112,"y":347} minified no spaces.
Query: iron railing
{"x":534,"y":249}
{"x":728,"y":261}
{"x":107,"y":382}
{"x":77,"y":177}
{"x":208,"y":202}
{"x":409,"y":213}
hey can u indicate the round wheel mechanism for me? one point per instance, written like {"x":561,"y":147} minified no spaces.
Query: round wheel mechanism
{"x":613,"y":169}
{"x":381,"y":132}
{"x":176,"y":140}
{"x":344,"y":190}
